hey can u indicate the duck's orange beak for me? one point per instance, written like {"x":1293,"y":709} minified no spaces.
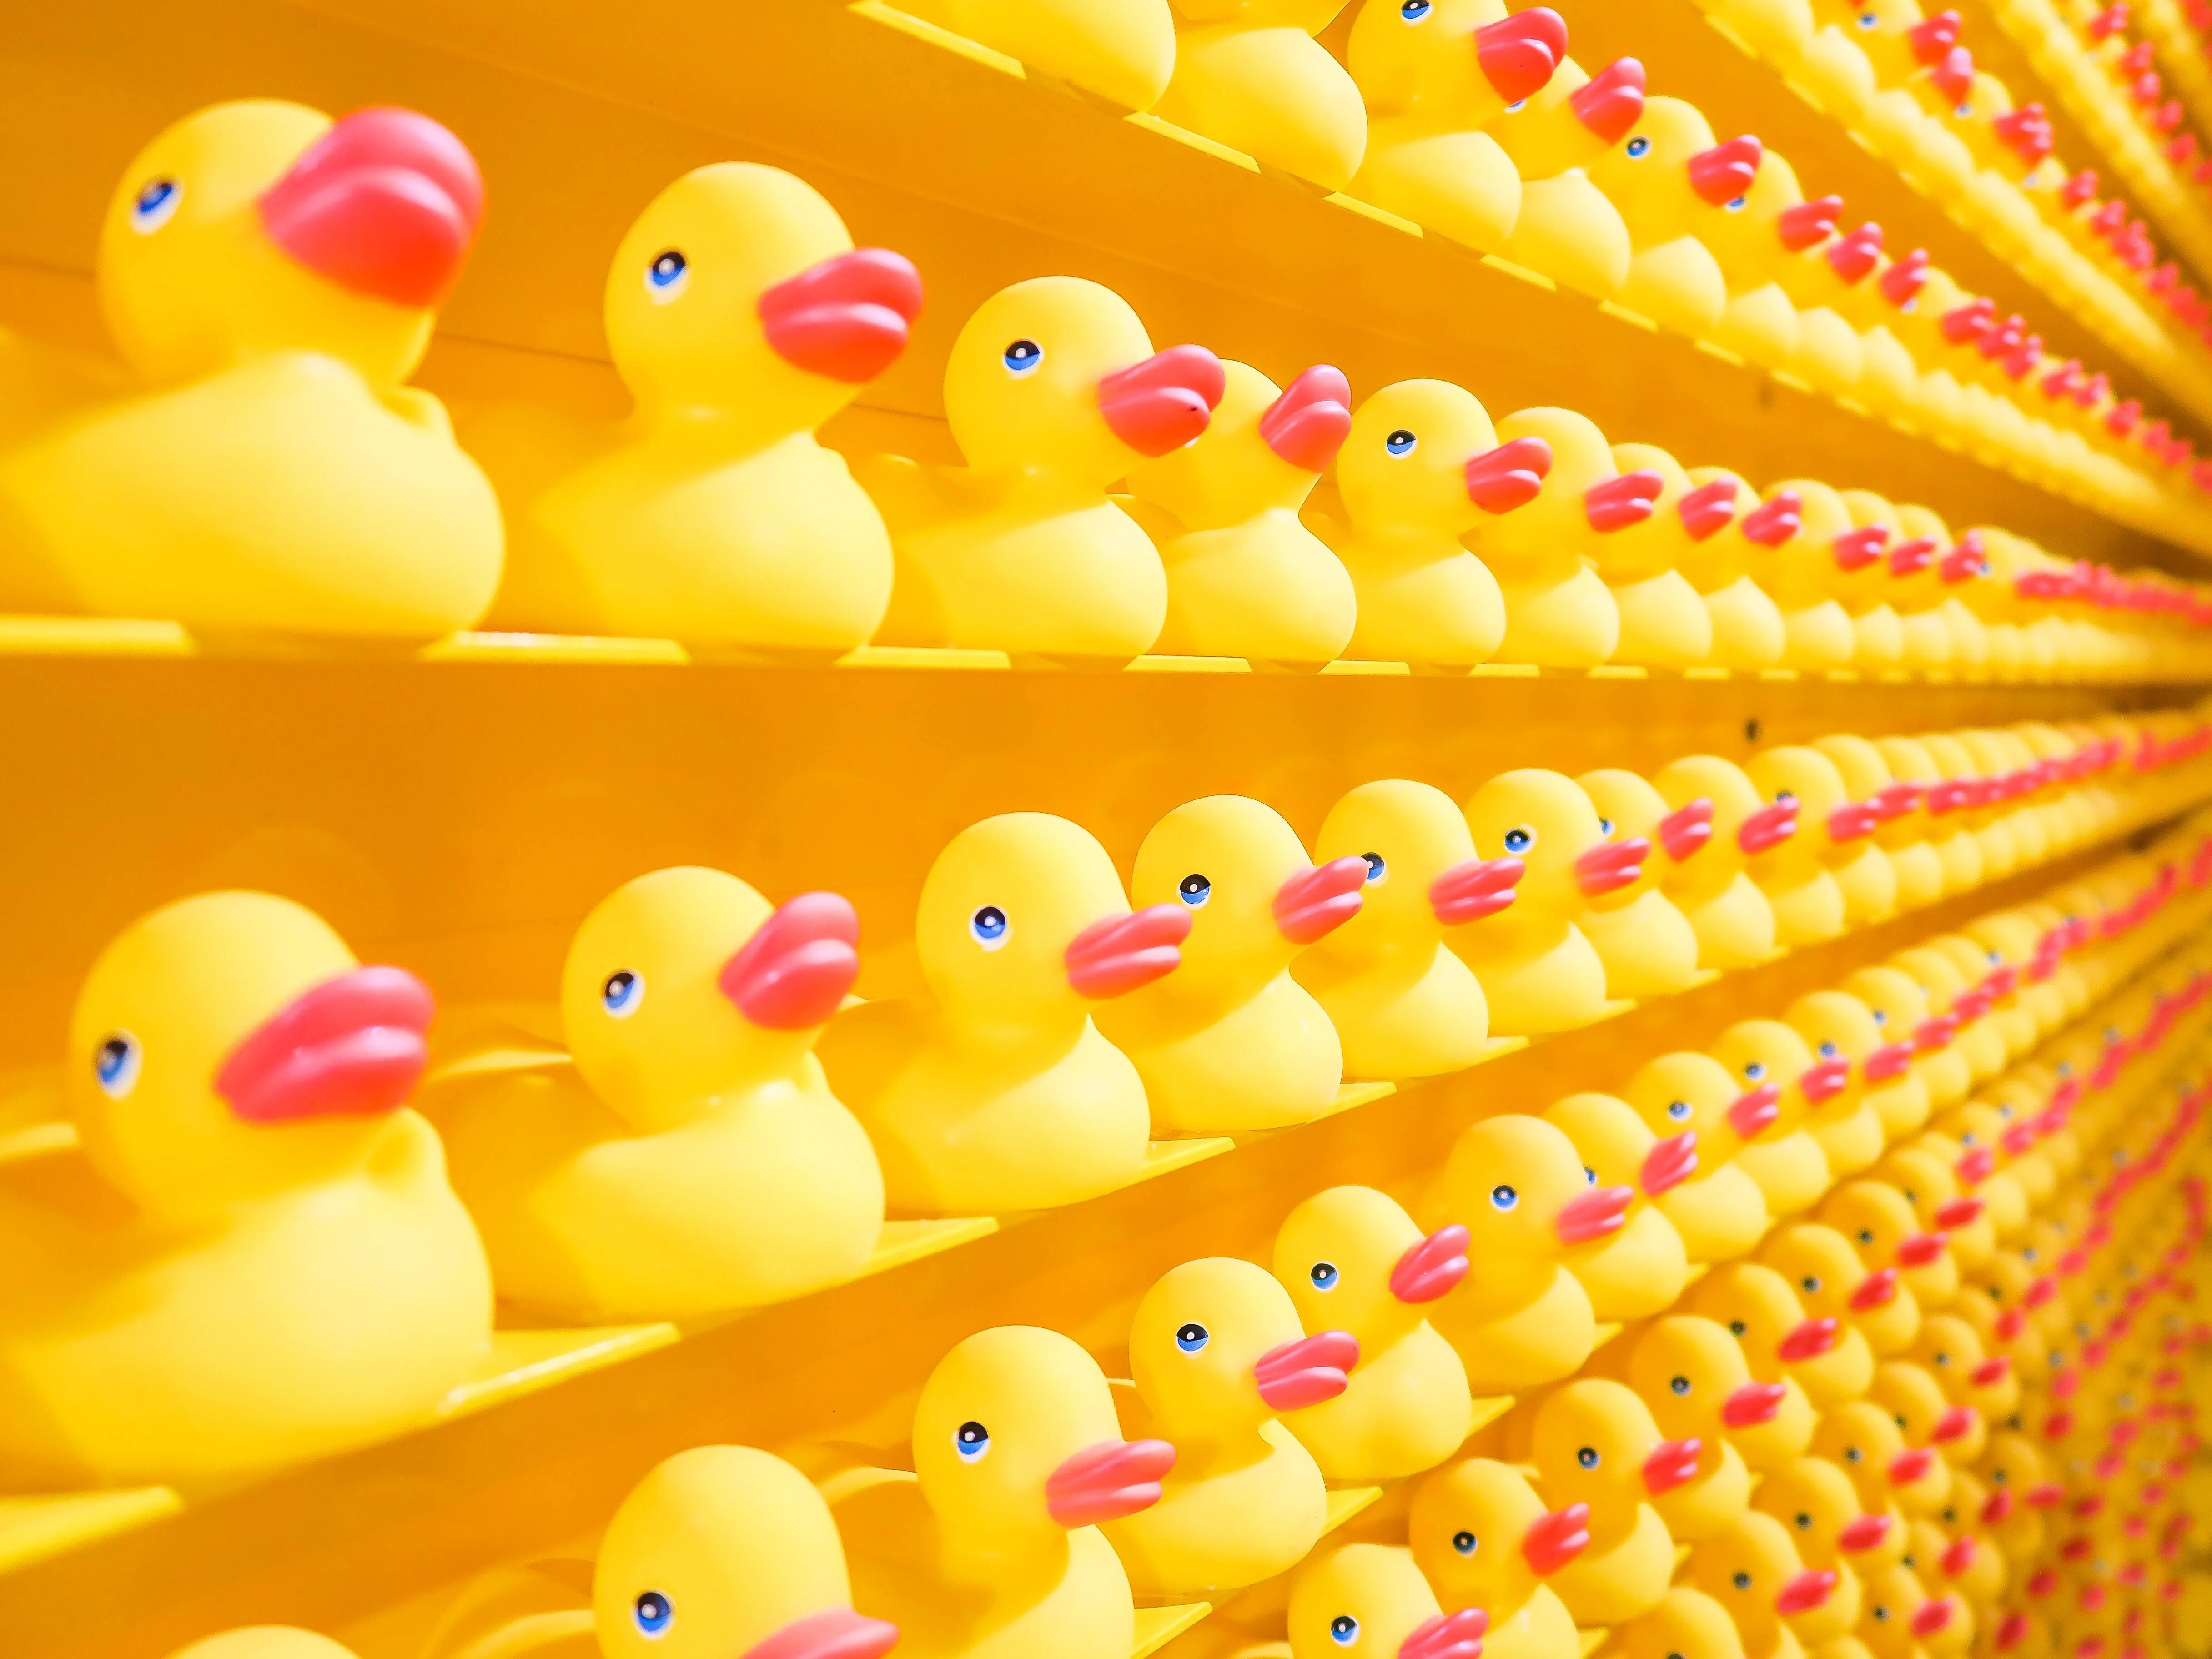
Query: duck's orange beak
{"x":1108,"y":1481}
{"x":1431,"y":1268}
{"x":795,"y":969}
{"x":837,"y":1633}
{"x":845,"y":319}
{"x":1111,"y":959}
{"x":1294,"y":1374}
{"x":353,"y":1045}
{"x":1313,"y":903}
{"x":385,"y":204}
{"x":1157,"y":406}
{"x":1307,"y":425}
{"x":1448,"y":1636}
{"x":1555,"y":1538}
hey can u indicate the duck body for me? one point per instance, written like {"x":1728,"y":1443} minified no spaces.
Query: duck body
{"x":1558,"y":612}
{"x":1253,"y":76}
{"x":1592,"y":1441}
{"x":1538,"y":972}
{"x":1732,"y":918}
{"x":1124,"y":52}
{"x":1641,"y":1269}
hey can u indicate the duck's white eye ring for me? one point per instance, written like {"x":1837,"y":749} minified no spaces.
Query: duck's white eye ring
{"x":156,"y":204}
{"x":989,"y":928}
{"x":115,"y":1065}
{"x":653,"y":1613}
{"x":667,"y":277}
{"x":622,"y":992}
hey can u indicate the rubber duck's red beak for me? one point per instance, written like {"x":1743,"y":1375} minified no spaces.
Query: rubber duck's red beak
{"x":796,"y":968}
{"x":2012,"y":1632}
{"x":1959,"y":1212}
{"x":1308,"y":1371}
{"x":1935,"y":1035}
{"x":1998,"y":1508}
{"x":1956,"y":1424}
{"x":1808,"y":224}
{"x":1555,"y":1538}
{"x":1932,"y":36}
{"x":1911,"y":558}
{"x":1108,"y":1481}
{"x":1932,"y":1617}
{"x":1920,"y":1249}
{"x":1611,"y":101}
{"x":1808,"y":1340}
{"x":1895,"y":800}
{"x":1953,"y":74}
{"x":1855,"y":549}
{"x":1824,"y":1081}
{"x":1960,"y":1557}
{"x":1313,"y":903}
{"x":1852,"y":257}
{"x":1865,"y":1532}
{"x":1708,"y":510}
{"x":1723,"y":173}
{"x":1617,"y":503}
{"x":385,"y":203}
{"x":837,"y":1633}
{"x":1684,"y":832}
{"x":1975,"y":1167}
{"x":1774,"y":522}
{"x":1854,"y":820}
{"x":1474,"y":890}
{"x":1910,"y":1465}
{"x":1768,"y":827}
{"x":1593,"y":1214}
{"x":1433,"y":1268}
{"x":1448,"y":1636}
{"x":1750,"y":1114}
{"x":1306,"y":426}
{"x":353,"y":1045}
{"x":1805,"y":1591}
{"x":1157,"y":406}
{"x":1891,"y":1060}
{"x":1753,"y":1404}
{"x":1672,"y":1463}
{"x":1113,"y":957}
{"x":1877,"y":1290}
{"x":1991,"y":1371}
{"x":1611,"y":866}
{"x":846,"y":317}
{"x":1512,"y":475}
{"x":1670,"y":1163}
{"x":1519,"y":54}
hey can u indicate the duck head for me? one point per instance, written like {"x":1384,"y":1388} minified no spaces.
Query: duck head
{"x":1371,"y":1601}
{"x":228,"y":1046}
{"x":1216,"y":1350}
{"x":1757,"y":1306}
{"x":1687,"y":1093}
{"x":1618,"y":1150}
{"x":1597,"y":1443}
{"x":1742,"y":822}
{"x":1953,"y":1354}
{"x":1056,"y":376}
{"x":1352,"y":1260}
{"x":1546,"y":821}
{"x":1692,"y":1372}
{"x":1484,"y":1539}
{"x":264,"y":226}
{"x":1830,"y":1279}
{"x":1806,"y":782}
{"x":1863,"y":1441}
{"x":1668,"y":174}
{"x":1573,"y":120}
{"x":1460,"y":62}
{"x":1583,"y":493}
{"x":1518,"y":1186}
{"x":1878,"y":1223}
{"x":738,"y":291}
{"x":1422,"y":455}
{"x":1266,"y":447}
{"x":721,"y":1550}
{"x":1423,"y":872}
{"x":1927,"y":1419}
{"x":1748,"y":235}
{"x":1752,"y":1568}
{"x":1841,"y":1032}
{"x":1763,"y":1054}
{"x":1818,"y":1505}
{"x":1687,"y":1624}
{"x":1629,"y":810}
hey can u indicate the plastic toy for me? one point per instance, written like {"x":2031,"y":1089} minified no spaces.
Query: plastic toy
{"x":1818,"y":1506}
{"x":263,"y":1262}
{"x":1566,"y":229}
{"x":1733,"y":922}
{"x":1403,"y":1003}
{"x":271,"y":277}
{"x":1245,"y":577}
{"x":1686,"y":1625}
{"x":1901,"y":1619}
{"x":1751,"y":1569}
{"x":1053,"y":391}
{"x":1639,"y":1270}
{"x":1876,"y":1316}
{"x":1746,"y":624}
{"x":1218,"y":1355}
{"x":1230,"y":1041}
{"x":1419,"y":469}
{"x":1353,"y":1260}
{"x":1558,"y":613}
{"x":993,"y":1089}
{"x":1690,"y":1373}
{"x":1785,"y":1159}
{"x":1372,"y":1599}
{"x":1123,"y":52}
{"x":1915,"y":874}
{"x":692,"y":1157}
{"x":1881,"y":1226}
{"x":741,"y":317}
{"x":1899,"y":1007}
{"x":1539,"y":973}
{"x":1780,"y":1344}
{"x":265,"y":1641}
{"x":1516,"y":1184}
{"x":1817,"y":630}
{"x":1594,"y":1441}
{"x":1862,"y":1439}
{"x":1484,"y":1540}
{"x":1646,"y":946}
{"x":1667,"y":178}
{"x":990,"y":1549}
{"x":1760,"y":321}
{"x":1717,"y":1208}
{"x":1808,"y":905}
{"x":1254,"y":78}
{"x":1842,"y":1034}
{"x":1663,"y":619}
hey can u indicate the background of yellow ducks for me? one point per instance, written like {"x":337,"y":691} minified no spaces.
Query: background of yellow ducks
{"x":2022,"y":351}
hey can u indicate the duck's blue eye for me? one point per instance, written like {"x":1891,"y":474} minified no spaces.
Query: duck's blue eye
{"x":1590,"y":1176}
{"x":1604,"y":828}
{"x":1679,"y":1110}
{"x":1638,"y":147}
{"x":1466,"y":1542}
{"x":1867,"y":19}
{"x":1741,"y":1581}
{"x":1680,"y":1384}
{"x":1866,"y":1235}
{"x":1881,"y":1016}
{"x":987,"y":927}
{"x":1516,"y":105}
{"x":653,"y":1613}
{"x":1344,"y":1629}
{"x":155,"y":205}
{"x":622,"y":993}
{"x":1754,"y":1071}
{"x":1587,"y":1458}
{"x":667,"y":275}
{"x":1504,"y":1198}
{"x":1827,"y":1051}
{"x":1964,"y":111}
{"x":1995,"y":959}
{"x":1812,"y":1284}
{"x":1519,"y":840}
{"x":1735,"y":203}
{"x":1377,"y":869}
{"x":115,"y":1066}
{"x":1194,"y":890}
{"x":1413,"y":10}
{"x":1401,"y":442}
{"x":970,"y":1442}
{"x":1324,"y":1276}
{"x":1192,"y":1337}
{"x":1023,"y":357}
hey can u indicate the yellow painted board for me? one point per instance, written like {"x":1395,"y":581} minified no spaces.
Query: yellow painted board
{"x":1157,"y":1627}
{"x":34,"y":1528}
{"x":1344,"y":1502}
{"x":37,"y":1140}
{"x":522,"y":1362}
{"x":1592,"y":1640}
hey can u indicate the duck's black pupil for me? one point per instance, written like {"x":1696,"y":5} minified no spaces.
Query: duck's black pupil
{"x":1464,"y":1542}
{"x":1742,"y":1581}
{"x":973,"y":1434}
{"x":1587,"y":1458}
{"x":1195,"y":884}
{"x":1736,"y":1328}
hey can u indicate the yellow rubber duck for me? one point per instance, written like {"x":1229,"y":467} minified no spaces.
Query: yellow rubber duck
{"x":1784,"y":1159}
{"x":1873,"y":1311}
{"x":1916,"y":874}
{"x":1483,"y":1540}
{"x":1053,"y":391}
{"x":1781,"y":1345}
{"x":1955,"y":854}
{"x":271,"y":277}
{"x":1645,"y":944}
{"x":1516,"y":1184}
{"x":1733,"y":922}
{"x":1717,"y":1209}
{"x":993,"y":1089}
{"x":1819,"y":1504}
{"x":1371,"y":1600}
{"x":1752,"y":1569}
{"x":1840,"y":829}
{"x":725,"y":1549}
{"x":1353,"y":1260}
{"x":1760,"y":322}
{"x":1862,"y":582}
{"x":1558,"y":613}
{"x":1899,"y":1007}
{"x":991,"y":1548}
{"x":1692,"y":1374}
{"x":1592,"y":1441}
{"x":1250,"y":75}
{"x":692,"y":1157}
{"x":265,"y":1641}
{"x":1539,"y":973}
{"x":1940,"y":631}
{"x":1667,"y":178}
{"x":1808,"y":904}
{"x":1566,"y":229}
{"x":1876,"y":1032}
{"x":1403,"y":1003}
{"x":1817,"y":630}
{"x":1901,"y":1620}
{"x":1230,"y":1041}
{"x":263,"y":1262}
{"x":1218,"y":1355}
{"x":1433,"y":73}
{"x":1927,"y":1180}
{"x":1840,"y":1031}
{"x":741,"y":317}
{"x":1122,"y":50}
{"x":1421,"y":468}
{"x":1664,"y":623}
{"x":1729,"y":532}
{"x":1879,"y":1223}
{"x":1687,"y":1624}
{"x":1639,"y":1270}
{"x":1245,"y":577}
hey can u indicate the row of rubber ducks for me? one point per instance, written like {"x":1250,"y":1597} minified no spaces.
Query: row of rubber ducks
{"x":1856,"y":1433}
{"x":271,"y":473}
{"x":1473,"y":122}
{"x":667,"y":1142}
